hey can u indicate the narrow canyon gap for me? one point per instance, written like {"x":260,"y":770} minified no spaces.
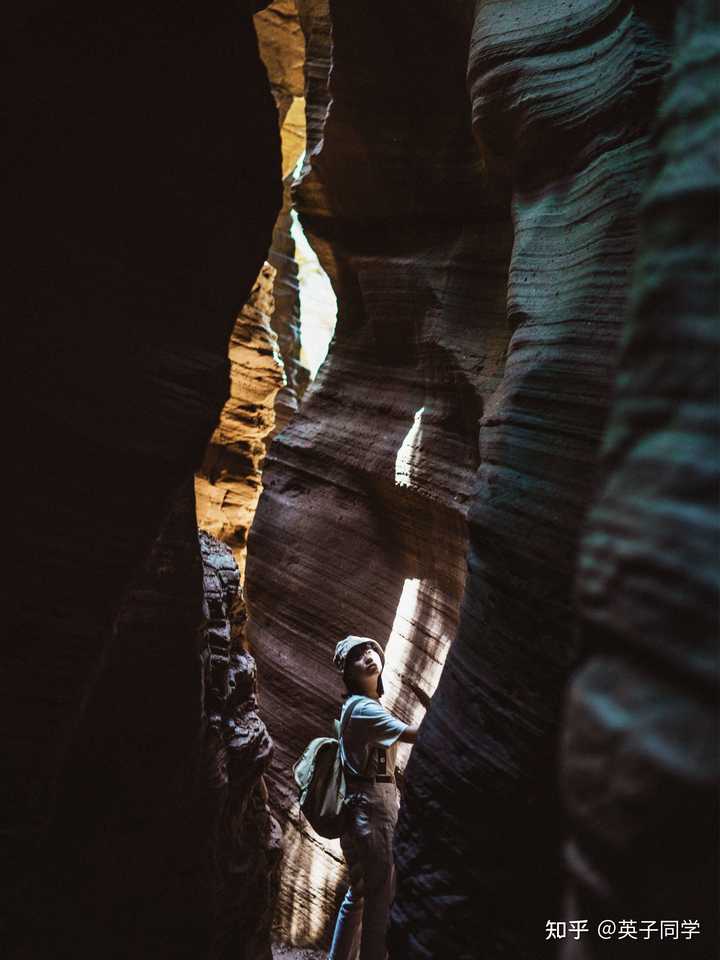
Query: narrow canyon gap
{"x":506,"y":470}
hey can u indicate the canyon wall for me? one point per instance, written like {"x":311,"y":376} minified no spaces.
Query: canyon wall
{"x":246,"y":842}
{"x":472,"y":186}
{"x":267,"y":379}
{"x":481,"y":250}
{"x":229,"y":481}
{"x":362,"y":524}
{"x":641,"y":759}
{"x":562,"y":97}
{"x":282,"y":48}
{"x":144,"y":180}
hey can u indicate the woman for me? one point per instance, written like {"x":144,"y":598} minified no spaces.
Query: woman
{"x":368,"y":745}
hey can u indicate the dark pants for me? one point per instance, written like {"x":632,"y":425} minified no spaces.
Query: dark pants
{"x":361,"y":927}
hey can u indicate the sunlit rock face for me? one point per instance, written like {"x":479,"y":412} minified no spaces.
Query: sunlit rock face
{"x":641,"y":760}
{"x":362,"y":524}
{"x":562,"y":97}
{"x":228,"y":484}
{"x":134,"y":247}
{"x":282,"y":48}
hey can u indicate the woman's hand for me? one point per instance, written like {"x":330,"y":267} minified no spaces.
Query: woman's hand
{"x":420,"y":694}
{"x":410,"y":733}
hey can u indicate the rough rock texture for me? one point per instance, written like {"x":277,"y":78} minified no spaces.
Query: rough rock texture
{"x":282,"y":952}
{"x":247,"y":844}
{"x":175,"y":797}
{"x":165,"y":804}
{"x":228,"y":484}
{"x":139,"y":212}
{"x":642,"y":760}
{"x":562,"y":95}
{"x":361,"y":526}
{"x":480,"y":285}
{"x":282,"y":48}
{"x":111,"y":872}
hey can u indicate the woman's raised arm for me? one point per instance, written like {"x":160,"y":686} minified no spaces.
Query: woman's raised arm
{"x":410,"y":734}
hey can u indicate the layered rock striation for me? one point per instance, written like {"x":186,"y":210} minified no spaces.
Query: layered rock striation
{"x":362,"y":524}
{"x":562,"y":99}
{"x":229,"y":482}
{"x":480,"y":248}
{"x":282,"y":48}
{"x":641,"y":758}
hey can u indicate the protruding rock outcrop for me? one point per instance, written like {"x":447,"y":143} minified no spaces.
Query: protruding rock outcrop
{"x":229,"y":482}
{"x":247,"y":840}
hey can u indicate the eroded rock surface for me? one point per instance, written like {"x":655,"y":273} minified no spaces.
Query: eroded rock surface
{"x":362,"y":524}
{"x":562,"y":98}
{"x":481,"y":289}
{"x":282,"y":48}
{"x":641,"y":761}
{"x":247,"y":842}
{"x":229,"y":482}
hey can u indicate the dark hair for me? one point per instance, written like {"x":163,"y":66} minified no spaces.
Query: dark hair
{"x":350,"y":691}
{"x":350,"y":660}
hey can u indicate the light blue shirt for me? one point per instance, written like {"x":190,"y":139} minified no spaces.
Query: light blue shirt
{"x":370,"y":726}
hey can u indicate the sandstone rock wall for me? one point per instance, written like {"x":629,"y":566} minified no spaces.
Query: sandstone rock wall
{"x":562,"y":98}
{"x":247,"y":843}
{"x":472,"y":185}
{"x":641,"y":763}
{"x":282,"y":48}
{"x":229,"y":482}
{"x":267,"y":379}
{"x":362,"y":524}
{"x":139,"y":211}
{"x":482,"y":286}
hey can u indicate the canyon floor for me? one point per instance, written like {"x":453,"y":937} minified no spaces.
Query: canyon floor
{"x":281,"y":952}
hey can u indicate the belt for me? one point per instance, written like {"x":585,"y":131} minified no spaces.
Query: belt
{"x":380,"y":778}
{"x":383,"y":776}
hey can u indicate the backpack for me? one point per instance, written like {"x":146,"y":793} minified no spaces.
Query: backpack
{"x":320,"y":777}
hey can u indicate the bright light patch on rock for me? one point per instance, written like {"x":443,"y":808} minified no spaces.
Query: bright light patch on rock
{"x":402,"y":663}
{"x":406,"y":455}
{"x":318,"y":306}
{"x":319,"y":865}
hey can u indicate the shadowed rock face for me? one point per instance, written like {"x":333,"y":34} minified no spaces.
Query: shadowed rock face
{"x":562,"y":99}
{"x":247,"y":840}
{"x":134,"y":243}
{"x":641,"y":759}
{"x":163,"y":844}
{"x":481,"y":291}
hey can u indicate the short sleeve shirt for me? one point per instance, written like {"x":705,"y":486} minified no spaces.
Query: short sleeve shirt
{"x":369,"y":727}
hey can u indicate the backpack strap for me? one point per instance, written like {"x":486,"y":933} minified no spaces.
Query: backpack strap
{"x":382,"y":774}
{"x":346,"y":718}
{"x":341,"y":728}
